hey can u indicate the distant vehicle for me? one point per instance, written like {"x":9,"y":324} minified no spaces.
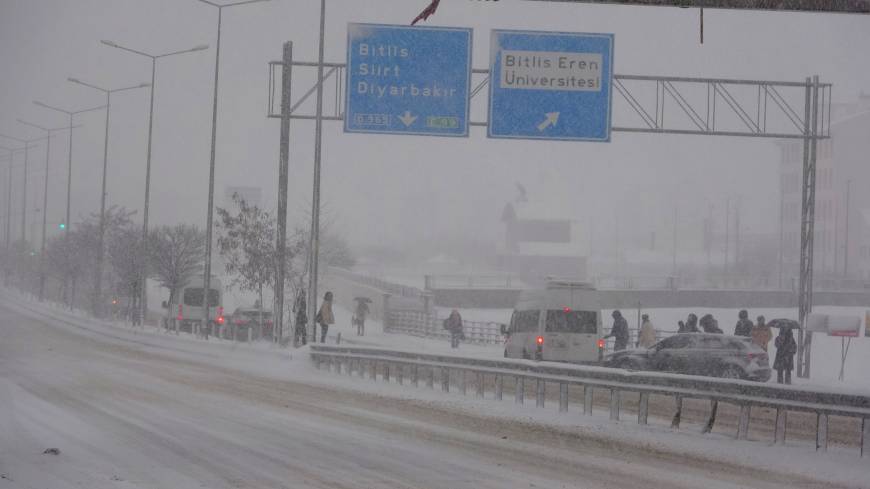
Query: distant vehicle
{"x":248,"y":318}
{"x":712,"y":355}
{"x":186,"y":309}
{"x":560,"y":323}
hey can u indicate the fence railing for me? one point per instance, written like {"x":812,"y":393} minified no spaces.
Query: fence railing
{"x":380,"y":284}
{"x":456,"y":281}
{"x":743,"y":394}
{"x":427,"y":325}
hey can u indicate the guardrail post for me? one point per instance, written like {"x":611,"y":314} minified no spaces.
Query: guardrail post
{"x":519,"y":394}
{"x":678,"y":416}
{"x":614,"y":405}
{"x":587,"y":400}
{"x":480,"y":386}
{"x":400,"y":374}
{"x":361,"y":368}
{"x":822,"y":432}
{"x":338,"y":363}
{"x":865,"y":437}
{"x":250,"y":332}
{"x":317,"y":362}
{"x":445,"y":379}
{"x":779,"y":430}
{"x":462,"y":381}
{"x":743,"y":422}
{"x":386,"y":372}
{"x":540,"y":393}
{"x":499,"y":388}
{"x":415,"y":376}
{"x":563,"y":397}
{"x":643,"y":408}
{"x":430,"y":380}
{"x":349,"y":369}
{"x":373,"y":370}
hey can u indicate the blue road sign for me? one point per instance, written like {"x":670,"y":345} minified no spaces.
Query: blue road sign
{"x":407,"y":80}
{"x":550,"y":85}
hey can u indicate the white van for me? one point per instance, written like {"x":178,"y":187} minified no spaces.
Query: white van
{"x":185,"y":308}
{"x":560,"y":323}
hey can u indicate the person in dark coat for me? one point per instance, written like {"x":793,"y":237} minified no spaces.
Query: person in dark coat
{"x":453,"y":324}
{"x":786,"y":347}
{"x":709,"y":324}
{"x":619,"y":331}
{"x":744,"y":325}
{"x":300,"y":328}
{"x":690,"y":326}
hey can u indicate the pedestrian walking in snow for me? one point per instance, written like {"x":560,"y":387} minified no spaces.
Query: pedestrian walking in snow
{"x":324,"y":316}
{"x":786,"y":347}
{"x":647,"y":335}
{"x":761,"y":333}
{"x":619,"y":331}
{"x":744,"y":325}
{"x":359,"y":315}
{"x":300,"y":328}
{"x":453,"y":324}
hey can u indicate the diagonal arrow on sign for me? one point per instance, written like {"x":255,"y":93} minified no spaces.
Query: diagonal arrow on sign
{"x":407,"y":119}
{"x":551,"y":120}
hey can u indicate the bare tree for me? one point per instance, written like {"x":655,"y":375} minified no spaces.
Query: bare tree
{"x":247,"y":244}
{"x":175,"y":255}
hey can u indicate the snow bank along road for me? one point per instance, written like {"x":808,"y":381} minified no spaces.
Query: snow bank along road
{"x":132,"y":411}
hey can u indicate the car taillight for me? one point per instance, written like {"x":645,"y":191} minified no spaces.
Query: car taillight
{"x":180,"y":313}
{"x":540,"y":340}
{"x":601,"y":344}
{"x":220,"y":315}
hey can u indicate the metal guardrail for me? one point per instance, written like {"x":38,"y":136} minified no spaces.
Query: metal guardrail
{"x":745,"y":395}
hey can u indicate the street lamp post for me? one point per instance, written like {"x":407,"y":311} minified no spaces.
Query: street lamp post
{"x":48,"y":134}
{"x":11,"y":153}
{"x":206,"y":285}
{"x":98,"y":280}
{"x":144,"y":289}
{"x":70,"y":114}
{"x":27,"y":146}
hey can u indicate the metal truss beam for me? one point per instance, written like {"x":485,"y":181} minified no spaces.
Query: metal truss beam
{"x":829,"y":6}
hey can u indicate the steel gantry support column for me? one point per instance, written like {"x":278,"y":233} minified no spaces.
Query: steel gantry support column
{"x":808,"y":211}
{"x":314,"y":246}
{"x":283,"y":169}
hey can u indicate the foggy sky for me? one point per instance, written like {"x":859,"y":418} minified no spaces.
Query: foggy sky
{"x":396,"y":189}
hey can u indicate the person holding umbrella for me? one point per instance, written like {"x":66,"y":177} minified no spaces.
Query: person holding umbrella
{"x":359,"y":315}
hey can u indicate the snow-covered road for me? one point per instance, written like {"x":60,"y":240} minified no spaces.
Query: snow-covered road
{"x":134,"y":414}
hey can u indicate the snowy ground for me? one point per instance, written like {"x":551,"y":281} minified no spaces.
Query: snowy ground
{"x":134,"y":408}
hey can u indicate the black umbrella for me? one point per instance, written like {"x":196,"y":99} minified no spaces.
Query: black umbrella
{"x":784,"y":324}
{"x":362,"y":299}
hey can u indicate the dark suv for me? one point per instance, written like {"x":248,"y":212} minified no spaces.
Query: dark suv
{"x":712,"y":355}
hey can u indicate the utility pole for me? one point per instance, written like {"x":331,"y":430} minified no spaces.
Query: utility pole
{"x":314,"y":244}
{"x":283,"y":170}
{"x":737,"y":237}
{"x":674,"y":265}
{"x":727,"y":232}
{"x":781,"y":224}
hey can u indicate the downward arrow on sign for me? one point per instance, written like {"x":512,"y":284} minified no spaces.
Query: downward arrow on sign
{"x":407,"y":118}
{"x":551,"y":120}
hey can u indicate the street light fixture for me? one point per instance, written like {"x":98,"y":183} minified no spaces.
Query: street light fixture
{"x":48,"y":133}
{"x":210,"y":213}
{"x":99,"y":269}
{"x":144,"y":289}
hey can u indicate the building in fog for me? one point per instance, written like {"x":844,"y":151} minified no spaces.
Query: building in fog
{"x":842,"y":226}
{"x":538,"y":243}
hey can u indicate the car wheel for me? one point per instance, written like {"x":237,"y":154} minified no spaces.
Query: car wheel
{"x":526,"y":355}
{"x":505,"y":353}
{"x":731,"y":372}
